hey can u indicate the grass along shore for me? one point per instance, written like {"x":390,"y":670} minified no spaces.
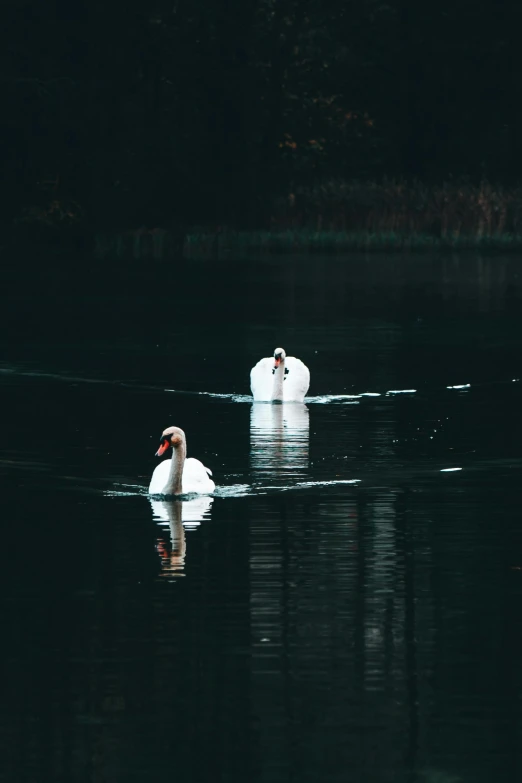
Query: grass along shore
{"x":338,"y":217}
{"x":304,"y":241}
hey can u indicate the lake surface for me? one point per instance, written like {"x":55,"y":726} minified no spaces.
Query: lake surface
{"x":346,"y":607}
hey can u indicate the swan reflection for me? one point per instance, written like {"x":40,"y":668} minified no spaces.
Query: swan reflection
{"x":279,"y":440}
{"x":176,"y":515}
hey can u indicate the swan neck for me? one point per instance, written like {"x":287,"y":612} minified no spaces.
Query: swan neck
{"x":279,"y":376}
{"x":174,"y":483}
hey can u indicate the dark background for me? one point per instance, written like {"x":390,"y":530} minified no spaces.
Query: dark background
{"x":127,"y":114}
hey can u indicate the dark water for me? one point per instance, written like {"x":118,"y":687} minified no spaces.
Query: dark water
{"x":344,"y":608}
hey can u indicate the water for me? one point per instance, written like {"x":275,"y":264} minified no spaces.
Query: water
{"x":346,"y":607}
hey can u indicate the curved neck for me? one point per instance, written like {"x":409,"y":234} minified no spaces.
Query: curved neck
{"x":279,"y":376}
{"x":174,"y":482}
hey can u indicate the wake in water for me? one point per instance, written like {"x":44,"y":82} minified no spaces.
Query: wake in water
{"x":253,"y":490}
{"x":307,"y":484}
{"x":321,"y":399}
{"x":230,"y":490}
{"x":60,"y":376}
{"x":126,"y":490}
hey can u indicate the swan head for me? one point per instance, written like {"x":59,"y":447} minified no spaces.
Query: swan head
{"x":279,"y":356}
{"x":171,"y":437}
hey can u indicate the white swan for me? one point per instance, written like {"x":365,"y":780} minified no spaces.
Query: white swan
{"x":179,"y":476}
{"x":281,"y":378}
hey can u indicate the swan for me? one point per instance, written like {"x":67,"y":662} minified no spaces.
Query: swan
{"x":179,"y":476}
{"x":281,"y":378}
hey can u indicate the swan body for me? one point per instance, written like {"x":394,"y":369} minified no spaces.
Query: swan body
{"x":178,"y":475}
{"x":195,"y":478}
{"x":280,"y":378}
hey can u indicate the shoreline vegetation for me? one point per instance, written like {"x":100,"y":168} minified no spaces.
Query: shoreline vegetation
{"x":159,"y":244}
{"x":336,"y":217}
{"x":284,"y":127}
{"x":339,"y":217}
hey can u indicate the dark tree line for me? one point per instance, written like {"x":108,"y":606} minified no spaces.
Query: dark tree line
{"x":136,"y":113}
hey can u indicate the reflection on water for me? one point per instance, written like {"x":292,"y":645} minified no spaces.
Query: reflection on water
{"x":176,"y":514}
{"x":279,"y":441}
{"x":332,"y":631}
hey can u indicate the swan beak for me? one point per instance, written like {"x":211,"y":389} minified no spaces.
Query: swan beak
{"x":163,"y":448}
{"x":277,"y":362}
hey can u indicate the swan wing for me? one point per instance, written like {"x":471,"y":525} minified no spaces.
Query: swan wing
{"x":262,"y":379}
{"x":159,"y":478}
{"x":297,"y":380}
{"x":196,"y":477}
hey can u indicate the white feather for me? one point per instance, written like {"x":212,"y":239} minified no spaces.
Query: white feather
{"x":195,"y":478}
{"x":295,"y":384}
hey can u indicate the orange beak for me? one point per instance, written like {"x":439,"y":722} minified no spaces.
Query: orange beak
{"x":163,"y":448}
{"x":277,"y":362}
